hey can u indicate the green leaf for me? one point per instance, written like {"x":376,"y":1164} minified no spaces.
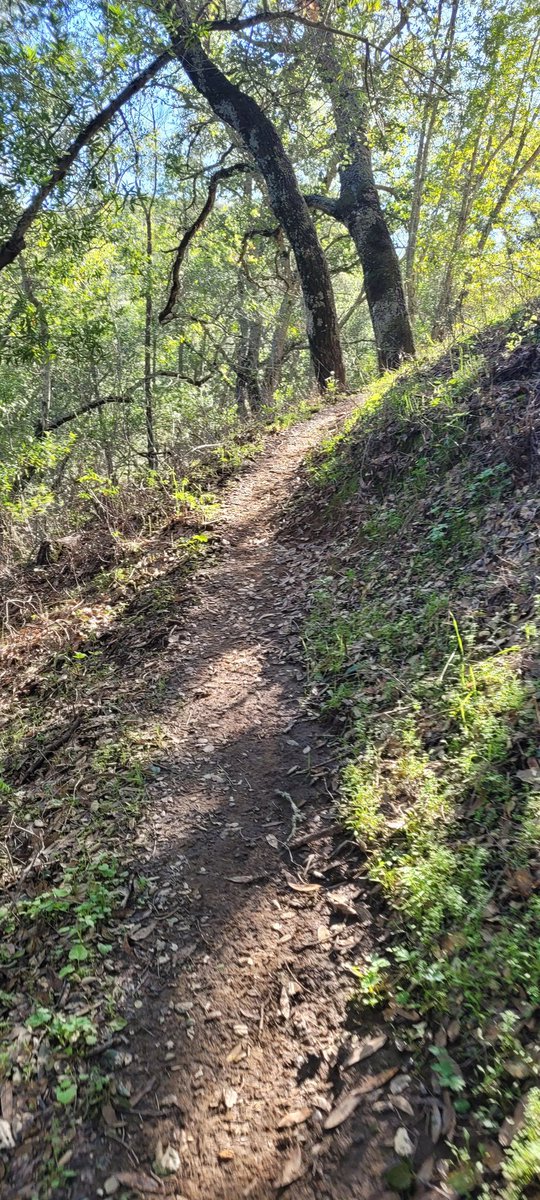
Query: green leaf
{"x":78,"y":953}
{"x":66,"y":1092}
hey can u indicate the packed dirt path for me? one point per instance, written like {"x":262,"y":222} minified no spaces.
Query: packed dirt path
{"x":238,"y":980}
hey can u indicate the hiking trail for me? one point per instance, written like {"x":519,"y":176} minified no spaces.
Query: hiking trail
{"x":238,"y":980}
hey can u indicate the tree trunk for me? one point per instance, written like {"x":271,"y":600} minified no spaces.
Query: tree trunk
{"x":359,"y":209}
{"x":364,"y":218}
{"x":263,"y":143}
{"x":44,"y":346}
{"x":151,"y":447}
{"x":274,"y":367}
{"x":248,"y":392}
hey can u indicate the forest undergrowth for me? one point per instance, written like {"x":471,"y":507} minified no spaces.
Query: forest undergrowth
{"x":421,"y":645}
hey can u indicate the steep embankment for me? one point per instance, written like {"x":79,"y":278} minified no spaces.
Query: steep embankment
{"x":422,"y":645}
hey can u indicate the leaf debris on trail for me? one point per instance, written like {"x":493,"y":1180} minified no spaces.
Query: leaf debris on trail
{"x":160,"y":975}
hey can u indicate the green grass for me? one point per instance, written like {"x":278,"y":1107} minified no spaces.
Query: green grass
{"x":433,"y":687}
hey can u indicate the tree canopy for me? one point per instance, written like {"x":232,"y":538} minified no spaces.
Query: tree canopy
{"x":195,"y":199}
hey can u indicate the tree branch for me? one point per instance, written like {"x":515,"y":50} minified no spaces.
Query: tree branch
{"x":12,"y":247}
{"x":167,"y":311}
{"x":237,"y":24}
{"x":65,"y":419}
{"x":323,"y":204}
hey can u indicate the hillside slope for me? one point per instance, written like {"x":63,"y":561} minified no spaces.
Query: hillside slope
{"x":422,"y":650}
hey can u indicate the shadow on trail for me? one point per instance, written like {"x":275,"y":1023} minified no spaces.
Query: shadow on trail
{"x":231,"y":981}
{"x":206,"y":1007}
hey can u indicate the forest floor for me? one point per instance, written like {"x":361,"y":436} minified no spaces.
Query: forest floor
{"x":271,"y":804}
{"x":239,"y":918}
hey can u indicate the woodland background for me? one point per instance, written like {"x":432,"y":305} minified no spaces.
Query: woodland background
{"x":109,"y":380}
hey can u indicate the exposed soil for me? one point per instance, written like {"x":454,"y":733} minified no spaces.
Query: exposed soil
{"x":237,"y":974}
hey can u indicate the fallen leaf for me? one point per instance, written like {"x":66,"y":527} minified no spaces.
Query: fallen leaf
{"x":453,"y":1030}
{"x":522,"y":881}
{"x":308,"y":888}
{"x":436,"y":1122}
{"x":139,"y":935}
{"x":400,"y":1084}
{"x":365,"y":1048}
{"x":348,"y":1103}
{"x":109,"y":1115}
{"x":340,"y":903}
{"x":284,"y":1004}
{"x":236,"y":1054}
{"x":296,"y":1117}
{"x":139,"y":1182}
{"x":402,"y":1143}
{"x":407,"y":1014}
{"x":425,"y":1171}
{"x":531,"y":776}
{"x":272,"y":841}
{"x":448,"y":1117}
{"x":517,"y":1068}
{"x":493,"y":1156}
{"x":7,"y":1141}
{"x":375,"y":1081}
{"x":241,"y":878}
{"x":343,"y":1109}
{"x":292,"y":1168}
{"x":511,"y":1125}
{"x":401,"y":1103}
{"x":6,"y":1100}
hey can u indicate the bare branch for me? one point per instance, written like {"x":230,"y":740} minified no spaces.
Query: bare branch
{"x":12,"y":247}
{"x":167,"y":312}
{"x":237,"y":24}
{"x":66,"y":418}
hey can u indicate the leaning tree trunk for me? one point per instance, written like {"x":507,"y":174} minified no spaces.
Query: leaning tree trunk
{"x":263,"y":143}
{"x":360,"y":210}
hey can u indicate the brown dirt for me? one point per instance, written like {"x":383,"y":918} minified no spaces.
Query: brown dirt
{"x":241,"y":987}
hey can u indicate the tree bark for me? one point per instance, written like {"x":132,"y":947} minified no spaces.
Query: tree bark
{"x":274,"y":367}
{"x":151,"y":447}
{"x":248,"y":392}
{"x":359,"y":209}
{"x":264,"y":145}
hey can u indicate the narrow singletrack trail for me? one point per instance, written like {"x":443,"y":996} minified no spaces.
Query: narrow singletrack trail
{"x":237,"y":986}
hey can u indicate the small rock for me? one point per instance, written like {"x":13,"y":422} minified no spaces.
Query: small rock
{"x":111,"y":1185}
{"x":167,"y":1159}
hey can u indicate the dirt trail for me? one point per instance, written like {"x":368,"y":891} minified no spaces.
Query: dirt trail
{"x":236,"y":992}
